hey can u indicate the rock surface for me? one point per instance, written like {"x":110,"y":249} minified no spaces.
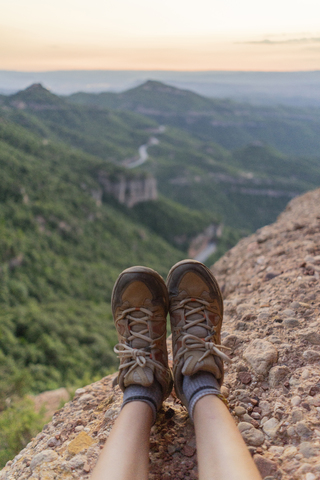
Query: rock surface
{"x":271,"y":286}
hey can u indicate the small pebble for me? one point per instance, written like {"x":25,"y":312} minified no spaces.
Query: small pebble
{"x":291,"y":431}
{"x":271,"y":427}
{"x":53,"y":442}
{"x":308,"y":449}
{"x":291,"y":322}
{"x":296,"y":400}
{"x":311,"y":355}
{"x":247,"y":418}
{"x":289,"y":452}
{"x":188,"y":451}
{"x":239,"y":411}
{"x":265,"y":407}
{"x":86,"y":398}
{"x":288,"y":312}
{"x":294,"y":305}
{"x":276,"y":450}
{"x":80,"y":391}
{"x":255,"y":415}
{"x":310,"y":476}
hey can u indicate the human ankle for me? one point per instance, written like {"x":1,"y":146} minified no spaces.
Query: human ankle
{"x":151,"y":395}
{"x":198,"y":386}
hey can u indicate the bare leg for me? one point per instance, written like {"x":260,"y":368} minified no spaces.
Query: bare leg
{"x":125,"y":456}
{"x":222,"y":453}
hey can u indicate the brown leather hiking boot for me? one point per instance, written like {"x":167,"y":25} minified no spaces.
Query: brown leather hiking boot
{"x":196,"y":311}
{"x":140,"y":306}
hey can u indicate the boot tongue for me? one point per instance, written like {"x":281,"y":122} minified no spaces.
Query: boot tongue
{"x":192,"y":364}
{"x":138,"y":342}
{"x":140,"y":376}
{"x":197,"y":330}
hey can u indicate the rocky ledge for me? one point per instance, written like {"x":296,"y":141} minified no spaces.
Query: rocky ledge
{"x":271,"y":286}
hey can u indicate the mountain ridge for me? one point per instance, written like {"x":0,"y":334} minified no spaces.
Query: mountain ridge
{"x":231,"y":124}
{"x":157,"y":95}
{"x":290,"y":88}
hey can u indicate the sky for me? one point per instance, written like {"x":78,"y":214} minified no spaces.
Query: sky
{"x":247,"y":35}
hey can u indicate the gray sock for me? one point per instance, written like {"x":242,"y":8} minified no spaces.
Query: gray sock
{"x":151,"y":395}
{"x":197,"y":386}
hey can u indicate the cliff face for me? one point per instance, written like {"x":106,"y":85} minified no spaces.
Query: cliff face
{"x":272,"y":326}
{"x":201,"y":242}
{"x":130,"y":191}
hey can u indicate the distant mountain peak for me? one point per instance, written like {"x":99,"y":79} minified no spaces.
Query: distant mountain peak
{"x":36,"y":87}
{"x":151,"y":84}
{"x":154,"y":98}
{"x":36,"y":96}
{"x":156,"y":86}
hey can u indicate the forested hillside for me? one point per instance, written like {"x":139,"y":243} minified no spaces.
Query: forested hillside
{"x":60,"y":253}
{"x":293,"y":131}
{"x":64,"y":239}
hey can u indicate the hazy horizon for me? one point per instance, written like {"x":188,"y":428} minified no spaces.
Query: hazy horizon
{"x":289,"y":88}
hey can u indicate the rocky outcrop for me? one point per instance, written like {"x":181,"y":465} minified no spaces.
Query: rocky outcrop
{"x":272,"y":324}
{"x":129,"y":190}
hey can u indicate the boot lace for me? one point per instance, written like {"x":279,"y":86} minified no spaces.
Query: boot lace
{"x":192,"y":342}
{"x":137,"y":356}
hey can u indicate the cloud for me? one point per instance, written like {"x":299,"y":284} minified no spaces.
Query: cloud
{"x":297,"y":41}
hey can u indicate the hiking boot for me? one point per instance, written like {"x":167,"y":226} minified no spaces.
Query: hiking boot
{"x":196,"y":311}
{"x":140,"y":306}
